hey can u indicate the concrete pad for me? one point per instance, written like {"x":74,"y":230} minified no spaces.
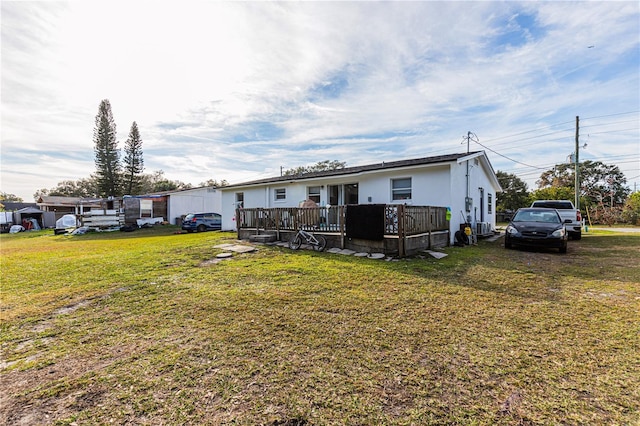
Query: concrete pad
{"x":377,"y":256}
{"x":361,"y":254}
{"x":241,"y":249}
{"x":436,"y":254}
{"x":334,"y":250}
{"x":238,"y":248}
{"x":495,"y":237}
{"x":224,"y":255}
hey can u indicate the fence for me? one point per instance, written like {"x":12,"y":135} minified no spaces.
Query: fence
{"x":414,"y":227}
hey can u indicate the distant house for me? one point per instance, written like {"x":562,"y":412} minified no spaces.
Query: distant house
{"x":67,"y":205}
{"x":465,"y":183}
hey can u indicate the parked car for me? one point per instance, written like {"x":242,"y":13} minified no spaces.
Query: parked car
{"x":201,"y":222}
{"x":537,"y":227}
{"x":567,"y":211}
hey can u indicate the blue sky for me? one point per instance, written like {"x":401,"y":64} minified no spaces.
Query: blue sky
{"x":236,"y":90}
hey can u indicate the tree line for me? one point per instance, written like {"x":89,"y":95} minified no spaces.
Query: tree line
{"x":604,"y":197}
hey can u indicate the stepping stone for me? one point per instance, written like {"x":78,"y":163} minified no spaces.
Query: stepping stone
{"x":361,"y":254}
{"x":224,"y":255}
{"x":377,"y":256}
{"x":346,"y":252}
{"x":436,"y":254}
{"x":223,"y":246}
{"x":334,"y":250}
{"x":241,"y":249}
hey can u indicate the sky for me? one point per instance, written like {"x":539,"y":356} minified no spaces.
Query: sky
{"x":236,"y":91}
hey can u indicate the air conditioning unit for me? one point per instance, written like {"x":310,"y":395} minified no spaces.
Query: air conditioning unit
{"x":483,"y":228}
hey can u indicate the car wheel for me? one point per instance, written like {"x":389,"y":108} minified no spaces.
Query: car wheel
{"x":202,"y":228}
{"x":563,"y":249}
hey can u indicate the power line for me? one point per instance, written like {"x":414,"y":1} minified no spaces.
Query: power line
{"x":504,"y":156}
{"x":562,"y":130}
{"x":612,"y":115}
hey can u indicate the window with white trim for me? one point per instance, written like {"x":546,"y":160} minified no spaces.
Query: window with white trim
{"x":146,"y":208}
{"x":313,"y":193}
{"x":489,"y":203}
{"x":280,"y":194}
{"x":400,"y":189}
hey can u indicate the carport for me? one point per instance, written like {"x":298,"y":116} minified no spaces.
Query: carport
{"x":44,"y":219}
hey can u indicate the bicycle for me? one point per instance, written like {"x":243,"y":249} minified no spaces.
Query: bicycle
{"x":318,"y":242}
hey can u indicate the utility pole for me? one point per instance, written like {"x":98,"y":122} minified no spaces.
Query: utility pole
{"x":467,"y":200}
{"x":577,"y":203}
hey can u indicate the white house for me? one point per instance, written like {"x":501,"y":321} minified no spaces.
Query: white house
{"x":195,"y":200}
{"x":466,"y":183}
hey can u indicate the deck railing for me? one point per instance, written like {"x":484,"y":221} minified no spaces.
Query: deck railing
{"x":400,"y":219}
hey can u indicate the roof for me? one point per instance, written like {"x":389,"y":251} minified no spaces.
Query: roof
{"x":28,"y":210}
{"x":53,"y":200}
{"x":11,"y":206}
{"x":439,"y":159}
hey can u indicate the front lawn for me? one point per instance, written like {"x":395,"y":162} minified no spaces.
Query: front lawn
{"x":145,"y":328}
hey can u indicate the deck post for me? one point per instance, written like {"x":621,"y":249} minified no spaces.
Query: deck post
{"x":341,"y":213}
{"x":429,"y":226}
{"x":401,"y":233}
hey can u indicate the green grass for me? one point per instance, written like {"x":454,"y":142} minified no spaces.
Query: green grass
{"x":139,"y":328}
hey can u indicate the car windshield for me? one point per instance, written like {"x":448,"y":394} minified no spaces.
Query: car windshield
{"x":536,"y":216}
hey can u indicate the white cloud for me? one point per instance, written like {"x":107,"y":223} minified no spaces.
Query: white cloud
{"x":231,"y":90}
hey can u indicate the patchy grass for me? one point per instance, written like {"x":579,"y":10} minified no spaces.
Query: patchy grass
{"x":139,"y":328}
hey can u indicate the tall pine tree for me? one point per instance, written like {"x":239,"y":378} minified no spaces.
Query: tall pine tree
{"x":133,"y":162}
{"x":106,"y":151}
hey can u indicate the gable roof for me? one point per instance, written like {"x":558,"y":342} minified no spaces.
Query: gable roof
{"x":439,"y":159}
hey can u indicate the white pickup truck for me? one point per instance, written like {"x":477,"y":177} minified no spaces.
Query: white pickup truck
{"x":567,"y":211}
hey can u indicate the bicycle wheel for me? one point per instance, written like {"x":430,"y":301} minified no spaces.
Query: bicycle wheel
{"x":322,"y":243}
{"x":295,"y":242}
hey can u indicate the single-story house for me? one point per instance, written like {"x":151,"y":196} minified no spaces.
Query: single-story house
{"x":464,"y":183}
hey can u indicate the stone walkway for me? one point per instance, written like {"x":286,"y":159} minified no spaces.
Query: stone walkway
{"x":335,"y":250}
{"x":241,"y":248}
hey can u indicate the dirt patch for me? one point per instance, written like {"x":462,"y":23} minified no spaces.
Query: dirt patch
{"x":211,"y":262}
{"x":23,"y":402}
{"x":71,"y":308}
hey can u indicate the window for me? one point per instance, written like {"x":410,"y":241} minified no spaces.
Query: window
{"x":401,"y":189}
{"x":280,"y":194}
{"x":351,"y":193}
{"x":239,"y":200}
{"x":313,"y":194}
{"x":489,"y":207}
{"x":146,"y":208}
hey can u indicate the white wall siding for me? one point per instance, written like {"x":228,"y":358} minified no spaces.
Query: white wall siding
{"x":199,"y":200}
